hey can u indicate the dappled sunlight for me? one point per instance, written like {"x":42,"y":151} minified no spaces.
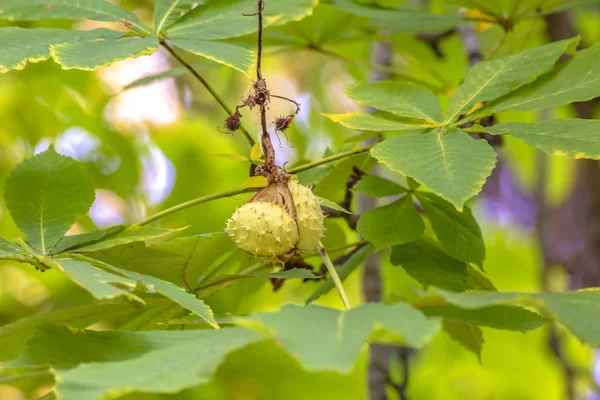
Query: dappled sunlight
{"x":157,"y":103}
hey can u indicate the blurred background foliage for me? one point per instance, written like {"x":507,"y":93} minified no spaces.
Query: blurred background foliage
{"x":153,"y":146}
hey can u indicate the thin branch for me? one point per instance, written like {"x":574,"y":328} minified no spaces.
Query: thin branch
{"x":192,"y":203}
{"x":334,"y":276}
{"x":208,"y":87}
{"x":290,"y":100}
{"x":329,"y":159}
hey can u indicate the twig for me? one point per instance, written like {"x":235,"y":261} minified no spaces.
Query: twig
{"x":334,"y":276}
{"x":192,"y":203}
{"x":329,"y":159}
{"x":208,"y":87}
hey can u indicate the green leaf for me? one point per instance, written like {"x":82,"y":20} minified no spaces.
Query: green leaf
{"x":347,"y":268}
{"x":400,"y":20}
{"x":89,"y":56}
{"x":173,"y":361}
{"x":178,"y":295}
{"x":376,"y":186}
{"x":332,"y":204}
{"x":372,"y":122}
{"x":327,"y":339}
{"x":84,"y":239}
{"x":101,"y":284}
{"x":491,"y":79}
{"x":166,"y":12}
{"x":576,"y":138}
{"x":228,"y":54}
{"x":20,"y":47}
{"x":8,"y":249}
{"x":398,"y":98}
{"x":396,"y":223}
{"x":45,"y":195}
{"x":450,"y":163}
{"x":27,"y":380}
{"x":181,"y":260}
{"x":431,"y":266}
{"x":457,"y":232}
{"x":505,"y":317}
{"x":99,"y":10}
{"x":14,"y":336}
{"x":578,"y":310}
{"x":224,"y":19}
{"x":467,"y":335}
{"x":573,"y":81}
{"x":125,"y":236}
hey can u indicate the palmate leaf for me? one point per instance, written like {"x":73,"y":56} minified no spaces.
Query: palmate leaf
{"x":99,"y":10}
{"x":92,"y":55}
{"x":576,"y":138}
{"x":429,"y":265}
{"x":125,"y":236}
{"x":14,"y":336}
{"x":109,"y":364}
{"x":228,"y":54}
{"x":503,"y":317}
{"x":223,"y":19}
{"x":374,"y":122}
{"x":401,"y":99}
{"x":395,"y":223}
{"x":491,"y":79}
{"x":84,"y":239}
{"x":400,"y":20}
{"x":467,"y":335}
{"x":376,"y":186}
{"x":326,"y":339}
{"x":575,"y":80}
{"x":578,"y":310}
{"x":457,"y":232}
{"x":449,"y":162}
{"x":20,"y":47}
{"x":171,"y":361}
{"x":45,"y":195}
{"x":181,"y":260}
{"x":166,"y":12}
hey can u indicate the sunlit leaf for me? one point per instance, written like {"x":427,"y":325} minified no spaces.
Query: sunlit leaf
{"x":14,"y":336}
{"x":449,"y":162}
{"x":92,"y":55}
{"x":400,"y":20}
{"x":224,"y":19}
{"x":124,"y":236}
{"x":327,"y":339}
{"x":99,"y":10}
{"x":166,"y":12}
{"x":491,"y":79}
{"x":401,"y":99}
{"x":576,"y":80}
{"x":373,"y":122}
{"x":45,"y":195}
{"x":20,"y":47}
{"x":166,"y":362}
{"x":228,"y":54}
{"x":576,"y":138}
{"x":180,"y":260}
